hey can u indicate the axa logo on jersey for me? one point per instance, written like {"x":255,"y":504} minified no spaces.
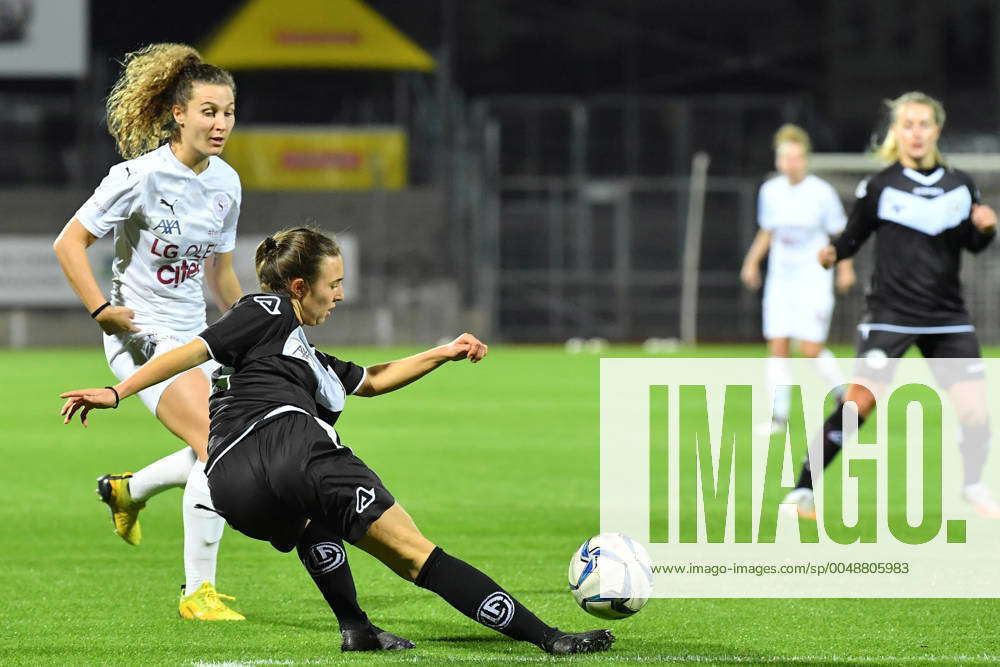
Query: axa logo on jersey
{"x":168,"y":227}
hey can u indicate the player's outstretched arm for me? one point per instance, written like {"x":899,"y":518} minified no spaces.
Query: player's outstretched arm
{"x":392,"y":375}
{"x":156,"y":370}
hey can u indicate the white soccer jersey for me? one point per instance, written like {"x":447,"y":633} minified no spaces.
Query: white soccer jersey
{"x":801,"y":219}
{"x":167,"y":221}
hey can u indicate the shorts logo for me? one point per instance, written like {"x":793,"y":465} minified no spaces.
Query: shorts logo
{"x":268,"y":303}
{"x":365,"y":497}
{"x":496,"y":611}
{"x":324,"y":557}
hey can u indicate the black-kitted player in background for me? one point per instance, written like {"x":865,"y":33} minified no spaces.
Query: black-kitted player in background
{"x":923,"y":214}
{"x":277,"y":470}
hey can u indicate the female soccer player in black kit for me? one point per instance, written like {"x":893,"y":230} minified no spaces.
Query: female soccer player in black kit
{"x":923,"y":214}
{"x":277,"y":470}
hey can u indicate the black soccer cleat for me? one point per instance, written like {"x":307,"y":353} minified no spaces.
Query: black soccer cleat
{"x":373,"y":638}
{"x":564,"y":643}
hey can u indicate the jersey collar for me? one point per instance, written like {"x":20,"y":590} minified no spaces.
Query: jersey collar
{"x":924,"y":179}
{"x":180,"y":167}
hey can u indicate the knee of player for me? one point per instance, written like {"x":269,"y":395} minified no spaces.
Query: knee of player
{"x":862,"y":397}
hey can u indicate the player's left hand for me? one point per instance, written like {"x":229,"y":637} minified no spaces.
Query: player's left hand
{"x":87,"y":399}
{"x":466,"y":346}
{"x":984,"y":217}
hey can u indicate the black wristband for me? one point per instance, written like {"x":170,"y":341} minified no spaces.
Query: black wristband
{"x":117,"y":399}
{"x":99,"y":309}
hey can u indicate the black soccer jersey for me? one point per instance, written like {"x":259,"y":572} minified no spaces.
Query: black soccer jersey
{"x":274,"y":370}
{"x":921,"y":221}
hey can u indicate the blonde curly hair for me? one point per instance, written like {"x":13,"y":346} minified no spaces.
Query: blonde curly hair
{"x":153,"y":80}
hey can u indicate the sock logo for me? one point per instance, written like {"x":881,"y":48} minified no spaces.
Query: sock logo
{"x":365,"y":497}
{"x":324,"y":557}
{"x":496,"y":611}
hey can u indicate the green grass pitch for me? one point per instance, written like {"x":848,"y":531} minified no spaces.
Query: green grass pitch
{"x":498,"y":463}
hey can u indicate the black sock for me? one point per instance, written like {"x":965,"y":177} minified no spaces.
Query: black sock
{"x":975,"y":446}
{"x":480,"y":598}
{"x":833,"y":440}
{"x":323,"y":555}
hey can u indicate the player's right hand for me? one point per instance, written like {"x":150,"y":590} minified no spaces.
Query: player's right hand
{"x":88,"y":399}
{"x":116,"y":319}
{"x":828,"y":256}
{"x":750,"y":275}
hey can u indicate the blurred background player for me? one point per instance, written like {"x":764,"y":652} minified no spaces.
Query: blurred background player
{"x":923,"y":214}
{"x":797,"y":212}
{"x":173,"y":206}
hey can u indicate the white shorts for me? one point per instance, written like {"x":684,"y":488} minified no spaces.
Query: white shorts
{"x":127,"y":352}
{"x":797,"y":309}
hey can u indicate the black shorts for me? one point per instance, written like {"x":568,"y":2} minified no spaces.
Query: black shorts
{"x":879,"y":349}
{"x":288,"y":471}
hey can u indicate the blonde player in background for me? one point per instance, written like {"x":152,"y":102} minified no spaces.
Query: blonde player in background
{"x":797,"y":213}
{"x":924,"y":213}
{"x":173,"y":207}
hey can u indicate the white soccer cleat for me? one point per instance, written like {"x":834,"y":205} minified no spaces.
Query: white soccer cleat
{"x":804,"y":501}
{"x":981,"y":498}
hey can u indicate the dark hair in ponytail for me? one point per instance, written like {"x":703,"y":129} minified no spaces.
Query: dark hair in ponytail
{"x":290,"y":254}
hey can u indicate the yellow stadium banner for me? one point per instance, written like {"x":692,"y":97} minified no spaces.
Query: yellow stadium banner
{"x":271,"y":34}
{"x":301,"y":158}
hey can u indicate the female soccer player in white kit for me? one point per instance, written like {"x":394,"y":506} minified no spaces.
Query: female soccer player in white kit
{"x":173,"y":206}
{"x":798,"y":213}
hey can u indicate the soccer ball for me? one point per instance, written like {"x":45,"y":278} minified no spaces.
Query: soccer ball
{"x":624,"y":568}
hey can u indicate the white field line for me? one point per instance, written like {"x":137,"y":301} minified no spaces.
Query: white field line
{"x":612,"y":658}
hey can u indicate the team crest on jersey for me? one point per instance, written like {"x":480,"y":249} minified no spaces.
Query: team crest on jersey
{"x":168,"y":227}
{"x":268,"y":303}
{"x":220,"y":206}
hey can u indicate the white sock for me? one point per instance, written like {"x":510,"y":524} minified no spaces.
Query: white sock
{"x":202,"y":531}
{"x":167,"y":473}
{"x":779,"y":375}
{"x":826,"y":366}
